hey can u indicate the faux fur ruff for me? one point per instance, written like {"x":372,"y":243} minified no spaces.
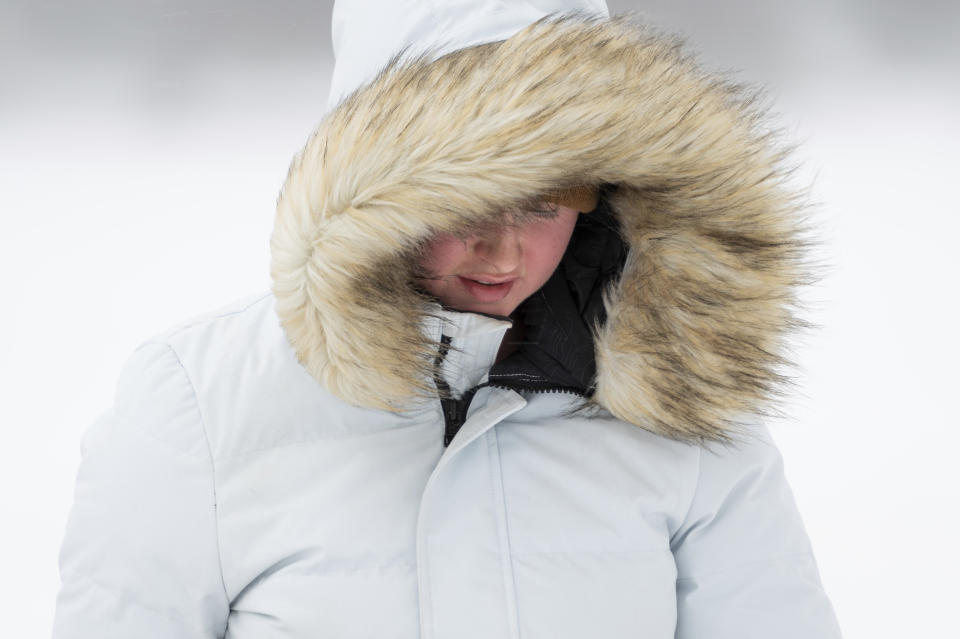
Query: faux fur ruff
{"x":697,"y":322}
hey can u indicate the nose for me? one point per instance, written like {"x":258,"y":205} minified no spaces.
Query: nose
{"x":501,"y":247}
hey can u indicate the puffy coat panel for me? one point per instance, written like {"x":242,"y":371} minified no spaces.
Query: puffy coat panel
{"x":140,"y":555}
{"x":745,"y":566}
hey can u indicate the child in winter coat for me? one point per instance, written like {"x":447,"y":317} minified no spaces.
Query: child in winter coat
{"x":532,"y":277}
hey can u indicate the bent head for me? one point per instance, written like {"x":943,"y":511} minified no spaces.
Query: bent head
{"x":497,"y":268}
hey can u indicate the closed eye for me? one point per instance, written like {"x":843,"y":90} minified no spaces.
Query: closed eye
{"x":546,"y":209}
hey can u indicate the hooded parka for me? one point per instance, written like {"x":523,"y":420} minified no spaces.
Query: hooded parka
{"x":343,"y":456}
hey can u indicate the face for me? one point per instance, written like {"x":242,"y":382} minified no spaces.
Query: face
{"x":494,"y":270}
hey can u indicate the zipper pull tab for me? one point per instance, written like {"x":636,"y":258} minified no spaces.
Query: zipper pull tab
{"x":455,"y":414}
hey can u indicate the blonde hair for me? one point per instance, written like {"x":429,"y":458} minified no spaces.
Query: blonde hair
{"x":581,"y":198}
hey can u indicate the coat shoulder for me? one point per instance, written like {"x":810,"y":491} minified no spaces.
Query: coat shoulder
{"x":251,"y":391}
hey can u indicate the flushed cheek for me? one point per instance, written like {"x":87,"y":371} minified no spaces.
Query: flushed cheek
{"x":441,"y":254}
{"x":543,"y":256}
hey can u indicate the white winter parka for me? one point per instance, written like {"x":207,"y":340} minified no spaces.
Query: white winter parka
{"x":343,"y":457}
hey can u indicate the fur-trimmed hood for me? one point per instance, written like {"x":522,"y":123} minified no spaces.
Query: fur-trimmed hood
{"x":697,"y":323}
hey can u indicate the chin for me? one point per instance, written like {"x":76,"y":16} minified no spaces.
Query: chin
{"x":491,"y":309}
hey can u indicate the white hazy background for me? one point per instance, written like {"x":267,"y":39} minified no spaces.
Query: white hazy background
{"x":142,"y":146}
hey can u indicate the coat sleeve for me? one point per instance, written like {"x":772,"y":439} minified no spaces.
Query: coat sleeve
{"x":745,"y":566}
{"x":140,"y":556}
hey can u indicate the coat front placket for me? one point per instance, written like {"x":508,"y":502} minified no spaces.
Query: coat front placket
{"x":465,"y":580}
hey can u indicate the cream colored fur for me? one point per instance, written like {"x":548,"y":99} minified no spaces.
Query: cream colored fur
{"x":697,"y":323}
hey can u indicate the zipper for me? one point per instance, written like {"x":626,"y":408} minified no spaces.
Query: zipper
{"x":536,"y":389}
{"x":454,"y":415}
{"x":455,"y":410}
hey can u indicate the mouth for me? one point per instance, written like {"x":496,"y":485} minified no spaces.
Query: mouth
{"x":489,"y":279}
{"x":486,"y":290}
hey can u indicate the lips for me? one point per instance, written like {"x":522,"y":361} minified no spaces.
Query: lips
{"x":489,"y":279}
{"x":493,"y":292}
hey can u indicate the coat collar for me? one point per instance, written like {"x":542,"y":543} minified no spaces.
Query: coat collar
{"x":470,"y":344}
{"x":695,"y":326}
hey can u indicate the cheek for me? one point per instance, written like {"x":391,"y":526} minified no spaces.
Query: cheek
{"x":545,"y":259}
{"x":549,"y":244}
{"x":442,"y":254}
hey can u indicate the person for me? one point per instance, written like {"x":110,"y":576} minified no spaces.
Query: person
{"x":532,"y":276}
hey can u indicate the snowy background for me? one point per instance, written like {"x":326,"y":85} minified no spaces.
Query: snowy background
{"x":142,"y":146}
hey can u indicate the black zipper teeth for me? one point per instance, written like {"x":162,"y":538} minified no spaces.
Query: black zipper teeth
{"x":551,"y":389}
